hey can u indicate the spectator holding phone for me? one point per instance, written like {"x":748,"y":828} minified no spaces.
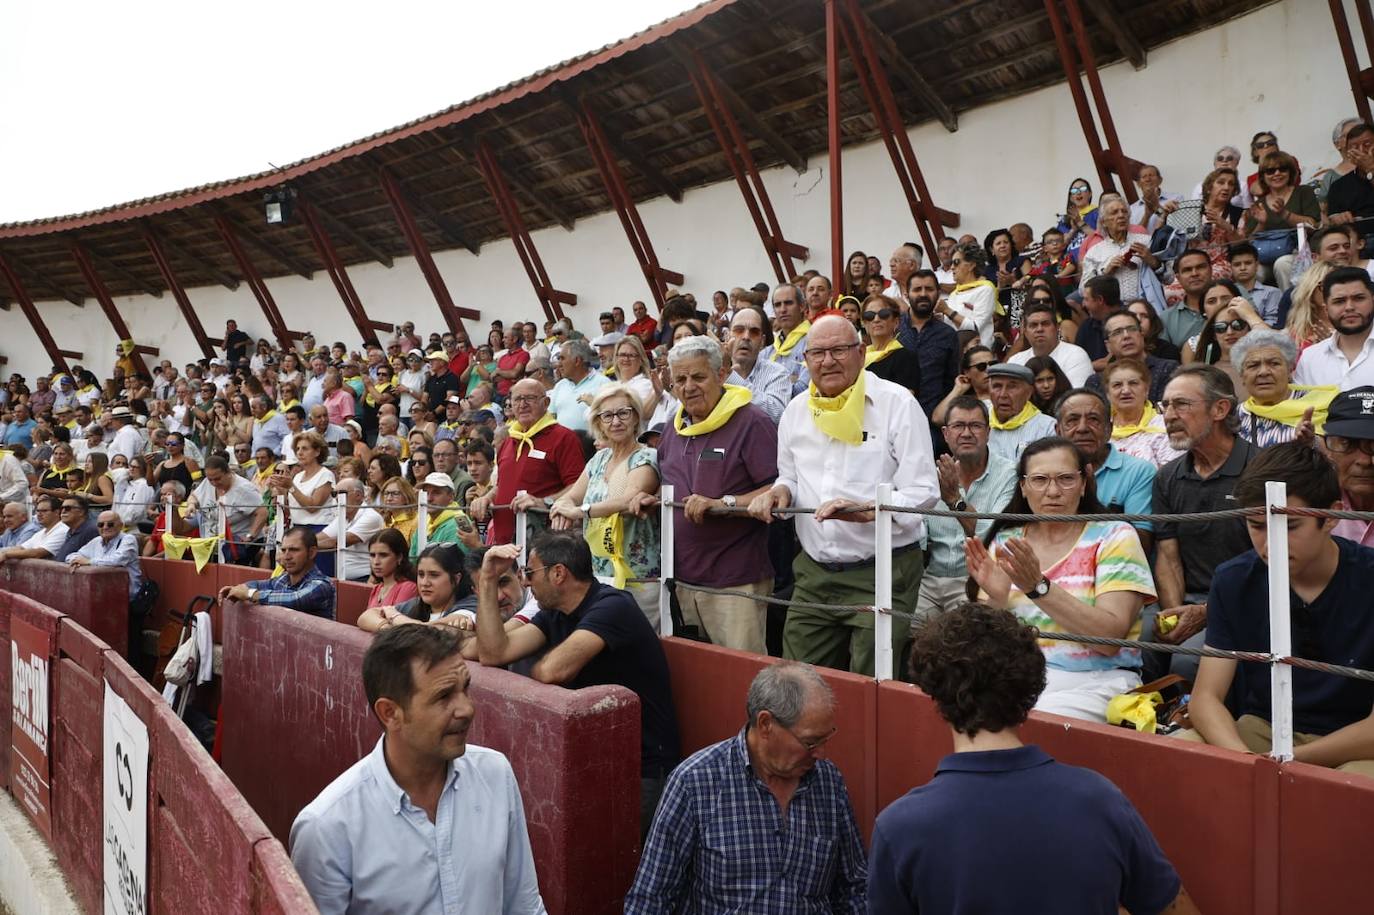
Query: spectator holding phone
{"x":1120,"y":249}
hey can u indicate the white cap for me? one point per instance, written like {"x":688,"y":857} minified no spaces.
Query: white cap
{"x":440,"y":479}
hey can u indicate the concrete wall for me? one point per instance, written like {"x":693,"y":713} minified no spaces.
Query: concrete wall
{"x":1275,"y":69}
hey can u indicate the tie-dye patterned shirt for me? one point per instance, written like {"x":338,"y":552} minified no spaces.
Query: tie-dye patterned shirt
{"x":1108,"y":557}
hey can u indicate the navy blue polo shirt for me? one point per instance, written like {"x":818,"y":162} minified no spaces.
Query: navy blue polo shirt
{"x":1015,"y":831}
{"x":1336,"y":628}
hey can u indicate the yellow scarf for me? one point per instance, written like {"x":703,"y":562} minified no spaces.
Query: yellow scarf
{"x":522,"y":437}
{"x":404,"y":522}
{"x":872,"y":355}
{"x":379,"y":388}
{"x":731,"y":400}
{"x":265,"y":417}
{"x":794,"y":336}
{"x":1147,"y":416}
{"x":262,"y":475}
{"x":437,"y":519}
{"x":965,"y":287}
{"x":1290,"y":411}
{"x":287,"y":404}
{"x":1028,"y":412}
{"x":202,"y":548}
{"x":606,"y":537}
{"x":841,"y":417}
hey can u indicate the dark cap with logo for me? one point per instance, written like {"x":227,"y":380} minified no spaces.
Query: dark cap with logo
{"x":1351,"y":414}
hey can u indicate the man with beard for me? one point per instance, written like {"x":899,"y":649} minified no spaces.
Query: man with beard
{"x":1199,"y":409}
{"x":750,"y":332}
{"x":1343,"y":359}
{"x":934,"y":342}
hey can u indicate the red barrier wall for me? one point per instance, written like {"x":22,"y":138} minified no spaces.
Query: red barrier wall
{"x":1324,"y":817}
{"x":98,"y":599}
{"x":575,"y":753}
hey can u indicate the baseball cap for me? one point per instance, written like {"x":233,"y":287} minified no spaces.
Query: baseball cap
{"x":417,"y":353}
{"x":1351,"y":414}
{"x":482,"y":416}
{"x":440,"y":479}
{"x":610,"y":339}
{"x":437,"y":354}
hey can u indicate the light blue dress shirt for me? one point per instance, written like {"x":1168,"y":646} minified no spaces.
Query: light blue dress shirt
{"x":362,"y":847}
{"x":564,"y":404}
{"x":19,"y":535}
{"x":771,"y":386}
{"x":1126,"y":484}
{"x":121,"y":552}
{"x":989,"y":493}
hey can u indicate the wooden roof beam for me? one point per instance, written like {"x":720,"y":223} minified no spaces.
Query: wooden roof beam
{"x":623,"y":150}
{"x":199,"y":264}
{"x":447,"y":226}
{"x":351,"y":235}
{"x":1121,"y":32}
{"x":887,"y":49}
{"x":540,"y":202}
{"x":32,"y":277}
{"x":106,"y":265}
{"x":244,"y":232}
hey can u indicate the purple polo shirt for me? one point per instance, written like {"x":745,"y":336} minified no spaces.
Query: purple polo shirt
{"x":739,"y":457}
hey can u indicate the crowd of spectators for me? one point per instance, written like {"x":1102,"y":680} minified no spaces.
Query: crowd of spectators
{"x":1145,"y":359}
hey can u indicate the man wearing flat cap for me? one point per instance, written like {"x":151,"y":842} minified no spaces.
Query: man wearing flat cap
{"x":1015,"y":421}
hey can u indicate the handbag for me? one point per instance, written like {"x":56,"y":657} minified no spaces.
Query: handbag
{"x":1274,"y":244}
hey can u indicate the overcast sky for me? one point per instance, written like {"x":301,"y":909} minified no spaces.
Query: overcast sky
{"x":104,"y":102}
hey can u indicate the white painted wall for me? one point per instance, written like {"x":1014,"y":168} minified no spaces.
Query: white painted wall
{"x":1275,"y":69}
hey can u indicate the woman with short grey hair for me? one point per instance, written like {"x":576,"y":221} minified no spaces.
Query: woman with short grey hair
{"x":973,"y":303}
{"x":1277,"y":410}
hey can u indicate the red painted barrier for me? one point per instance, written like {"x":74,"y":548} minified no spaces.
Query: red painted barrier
{"x":289,"y":676}
{"x":98,"y":599}
{"x":1325,"y":817}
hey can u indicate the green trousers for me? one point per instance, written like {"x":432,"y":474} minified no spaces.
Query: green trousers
{"x":829,"y":637}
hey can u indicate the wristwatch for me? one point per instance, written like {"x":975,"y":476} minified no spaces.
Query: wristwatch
{"x":1040,"y":590}
{"x":730,"y":501}
{"x":961,"y":505}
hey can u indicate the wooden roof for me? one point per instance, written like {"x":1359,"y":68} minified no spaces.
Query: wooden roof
{"x":942,"y":56}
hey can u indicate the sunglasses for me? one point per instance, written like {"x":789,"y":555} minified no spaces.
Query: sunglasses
{"x":105,"y":524}
{"x":979,"y":366}
{"x":1277,"y":169}
{"x":1235,"y":324}
{"x":1080,"y":189}
{"x":882,"y":314}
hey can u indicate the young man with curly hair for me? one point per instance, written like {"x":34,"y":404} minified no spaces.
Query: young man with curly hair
{"x":1061,"y":838}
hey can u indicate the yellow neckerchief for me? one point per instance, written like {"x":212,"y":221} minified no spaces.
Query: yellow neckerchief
{"x":872,"y":355}
{"x":1147,"y":416}
{"x":1290,"y":411}
{"x":1028,"y":412}
{"x":965,"y":287}
{"x":288,"y":404}
{"x":379,"y":387}
{"x":444,"y":514}
{"x":794,"y":336}
{"x":526,"y":438}
{"x":841,"y":417}
{"x":71,"y":425}
{"x":609,"y":372}
{"x":606,"y":537}
{"x":731,"y":400}
{"x":405,"y":523}
{"x":60,"y":471}
{"x":202,"y":548}
{"x":265,"y":417}
{"x":263,"y":474}
{"x":87,"y":389}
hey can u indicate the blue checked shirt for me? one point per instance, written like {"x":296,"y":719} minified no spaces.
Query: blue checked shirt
{"x":719,"y":843}
{"x":314,"y":594}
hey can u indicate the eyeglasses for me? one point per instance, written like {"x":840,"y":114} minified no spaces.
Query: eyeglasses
{"x":527,"y":572}
{"x":1276,"y":169}
{"x":980,"y":366}
{"x":1040,"y":300}
{"x":1234,"y":324}
{"x":1339,"y":444}
{"x":393,"y":494}
{"x":834,"y":352}
{"x":961,"y":428}
{"x":1124,"y":329}
{"x":811,"y":746}
{"x":1227,"y":158}
{"x":1039,"y":482}
{"x":1265,"y":144}
{"x":1178,"y":405}
{"x":882,"y":314}
{"x":107,"y":524}
{"x":624,"y":415}
{"x":72,"y":508}
{"x":526,"y":398}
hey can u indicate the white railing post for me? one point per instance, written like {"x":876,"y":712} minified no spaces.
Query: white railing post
{"x":421,"y":521}
{"x":522,"y":533}
{"x":882,"y":584}
{"x":278,"y":528}
{"x":168,"y":506}
{"x":665,"y":563}
{"x":340,"y":534}
{"x":221,"y":529}
{"x":1280,"y":633}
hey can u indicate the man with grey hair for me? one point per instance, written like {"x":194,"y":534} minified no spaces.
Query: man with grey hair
{"x":111,"y":548}
{"x":319,"y":421}
{"x":269,"y":426}
{"x":1199,"y":409}
{"x":363,"y":521}
{"x":904,"y":261}
{"x":789,"y":334}
{"x":742,"y":788}
{"x":15,"y":525}
{"x":719,"y":450}
{"x":571,"y":396}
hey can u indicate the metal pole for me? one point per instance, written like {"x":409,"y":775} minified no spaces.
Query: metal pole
{"x":422,"y":521}
{"x":832,"y":100}
{"x":665,"y":565}
{"x":522,"y":534}
{"x":278,"y":528}
{"x":1280,"y":635}
{"x":222,"y":530}
{"x":168,"y":506}
{"x":882,"y":584}
{"x":340,"y":534}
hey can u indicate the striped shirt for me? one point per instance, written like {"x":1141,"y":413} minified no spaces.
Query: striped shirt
{"x":1107,"y":558}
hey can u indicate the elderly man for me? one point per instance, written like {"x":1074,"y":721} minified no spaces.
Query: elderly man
{"x":718,"y":451}
{"x":1124,"y":483}
{"x":588,"y":634}
{"x":1040,"y":325}
{"x":539,"y":457}
{"x":269,"y":426}
{"x":852,"y":431}
{"x":972,"y":479}
{"x":771,"y":387}
{"x":223,"y":491}
{"x":904,"y":262}
{"x":362,"y":522}
{"x":314,"y":385}
{"x":448,"y":523}
{"x":1199,"y":409}
{"x":767,"y":774}
{"x":21,"y":426}
{"x":605,"y":352}
{"x":301,"y":586}
{"x":1125,"y":340}
{"x":819,"y":294}
{"x":1344,"y":358}
{"x":1154,"y":204}
{"x":571,"y":396}
{"x":425,"y":822}
{"x":15,"y":525}
{"x":338,"y":399}
{"x":446,"y":453}
{"x":111,"y":548}
{"x":789,"y":332}
{"x":45,"y":542}
{"x":934,"y":342}
{"x":1349,"y":443}
{"x":1015,"y":421}
{"x":320,"y":421}
{"x":14,"y":484}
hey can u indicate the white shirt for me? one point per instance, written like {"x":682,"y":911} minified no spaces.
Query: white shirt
{"x":1073,"y":359}
{"x":239,"y":504}
{"x":324,"y":514}
{"x":132,"y":497}
{"x":13,"y":484}
{"x":127,"y":442}
{"x":944,"y":277}
{"x":356,"y":563}
{"x":1323,"y":363}
{"x":414,"y":381}
{"x":816,"y":468}
{"x":50,"y":540}
{"x":1137,"y":212}
{"x":978,"y":305}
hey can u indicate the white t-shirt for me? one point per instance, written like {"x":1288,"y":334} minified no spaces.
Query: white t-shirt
{"x":1073,"y":359}
{"x":50,"y":540}
{"x":356,"y":563}
{"x":302,"y":515}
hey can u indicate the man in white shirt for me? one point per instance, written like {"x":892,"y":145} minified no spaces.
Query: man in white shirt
{"x":127,"y":440}
{"x":363,"y":522}
{"x":46,"y":543}
{"x":944,"y":270}
{"x":13,"y":483}
{"x":319,"y":421}
{"x":1346,"y":358}
{"x":904,"y":261}
{"x":852,"y":431}
{"x":314,"y":387}
{"x":425,"y":822}
{"x":111,"y":549}
{"x":570,"y":398}
{"x":1015,"y":421}
{"x":1040,"y":324}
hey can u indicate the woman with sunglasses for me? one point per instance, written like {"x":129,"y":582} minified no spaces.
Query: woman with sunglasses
{"x":445,"y":595}
{"x":885,"y":356}
{"x":1080,"y":216}
{"x":392,"y":573}
{"x":615,"y":497}
{"x":1067,"y":576}
{"x":1281,"y":203}
{"x":972,"y":379}
{"x":178,"y":465}
{"x":420,"y":465}
{"x":1230,"y":316}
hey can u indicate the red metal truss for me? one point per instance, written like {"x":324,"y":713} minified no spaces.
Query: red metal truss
{"x":164,"y":266}
{"x":658,"y":277}
{"x":58,"y":355}
{"x":102,"y":295}
{"x":254,"y":279}
{"x":324,"y":246}
{"x":1108,"y":159}
{"x":550,"y":298}
{"x":930,"y":219}
{"x":741,"y":162}
{"x":395,"y":194}
{"x":832,"y":107}
{"x":1361,"y":80}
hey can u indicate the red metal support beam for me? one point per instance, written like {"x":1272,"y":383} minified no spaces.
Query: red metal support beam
{"x":832,"y":105}
{"x":658,"y":277}
{"x":1360,"y":79}
{"x":552,"y":300}
{"x":254,"y":279}
{"x":164,"y":266}
{"x":324,"y":246}
{"x":1124,"y":166}
{"x":453,"y":315}
{"x":102,"y":295}
{"x":737,"y":155}
{"x":58,"y":355}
